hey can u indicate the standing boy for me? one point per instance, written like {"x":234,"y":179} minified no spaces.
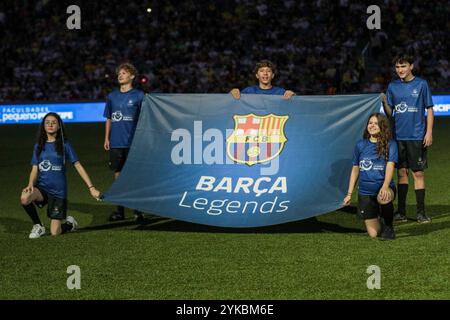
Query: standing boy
{"x":122,"y":113}
{"x":406,"y":100}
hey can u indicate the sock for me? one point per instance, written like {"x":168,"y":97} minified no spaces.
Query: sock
{"x":420,"y":199}
{"x":121,"y":210}
{"x":66,"y":227}
{"x":387,"y":212}
{"x":402,"y":193}
{"x":32,"y":213}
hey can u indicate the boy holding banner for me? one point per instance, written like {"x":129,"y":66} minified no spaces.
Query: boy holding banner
{"x":264,"y":72}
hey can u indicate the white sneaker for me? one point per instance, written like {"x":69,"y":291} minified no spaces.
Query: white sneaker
{"x":73,"y":222}
{"x":37,"y":231}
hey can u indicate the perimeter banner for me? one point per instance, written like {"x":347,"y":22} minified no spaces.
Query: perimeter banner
{"x":257,"y":161}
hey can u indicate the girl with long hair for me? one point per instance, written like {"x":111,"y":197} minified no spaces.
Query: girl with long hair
{"x":374,"y":162}
{"x":47,"y":183}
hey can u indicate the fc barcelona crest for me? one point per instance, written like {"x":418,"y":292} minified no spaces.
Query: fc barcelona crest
{"x":256,"y":139}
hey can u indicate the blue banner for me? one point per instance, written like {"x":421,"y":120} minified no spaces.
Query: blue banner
{"x":69,"y":112}
{"x":260,"y":160}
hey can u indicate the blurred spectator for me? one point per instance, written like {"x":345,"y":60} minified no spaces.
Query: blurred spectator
{"x":203,"y":46}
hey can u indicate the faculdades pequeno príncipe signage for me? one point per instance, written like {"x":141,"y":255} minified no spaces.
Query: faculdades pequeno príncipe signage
{"x":69,"y":112}
{"x":93,"y":111}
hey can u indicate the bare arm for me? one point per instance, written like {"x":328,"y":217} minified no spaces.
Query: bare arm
{"x":428,"y":140}
{"x":351,"y":185}
{"x":384,"y":191}
{"x":32,"y":179}
{"x":84,"y":175}
{"x":107,"y":133}
{"x":387,"y":108}
{"x":390,"y":168}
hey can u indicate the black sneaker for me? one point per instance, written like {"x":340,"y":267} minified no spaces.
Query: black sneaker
{"x":423,"y":218}
{"x":387,"y":233}
{"x":400,"y":217}
{"x":116,"y":216}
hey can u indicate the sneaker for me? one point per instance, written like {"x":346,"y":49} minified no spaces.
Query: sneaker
{"x":387,"y":233}
{"x":73,"y":222}
{"x":400,"y":217}
{"x":423,"y":218}
{"x":139,"y":217}
{"x":116,"y":216}
{"x":37,"y":231}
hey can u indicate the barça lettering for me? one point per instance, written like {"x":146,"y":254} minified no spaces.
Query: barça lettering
{"x":246,"y":185}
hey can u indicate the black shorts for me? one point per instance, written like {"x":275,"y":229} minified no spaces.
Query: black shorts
{"x":368,"y":206}
{"x":412,"y":155}
{"x":117,"y":158}
{"x":56,"y":207}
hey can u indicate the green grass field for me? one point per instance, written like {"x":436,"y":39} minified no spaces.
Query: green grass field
{"x":168,"y":259}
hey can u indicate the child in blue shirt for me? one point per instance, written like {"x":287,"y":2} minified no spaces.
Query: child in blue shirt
{"x":405,"y":101}
{"x":374,"y":161}
{"x":264,"y":72}
{"x":47,"y":183}
{"x":122,"y":111}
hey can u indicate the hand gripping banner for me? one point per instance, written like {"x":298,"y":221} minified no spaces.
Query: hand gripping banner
{"x":260,"y":160}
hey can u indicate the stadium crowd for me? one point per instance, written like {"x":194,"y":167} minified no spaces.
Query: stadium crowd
{"x":211,"y":46}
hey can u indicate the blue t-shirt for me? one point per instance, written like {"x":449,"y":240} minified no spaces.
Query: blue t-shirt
{"x":258,"y":90}
{"x":123,"y":108}
{"x":52,"y":172}
{"x":372,"y":167}
{"x":409,"y":101}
